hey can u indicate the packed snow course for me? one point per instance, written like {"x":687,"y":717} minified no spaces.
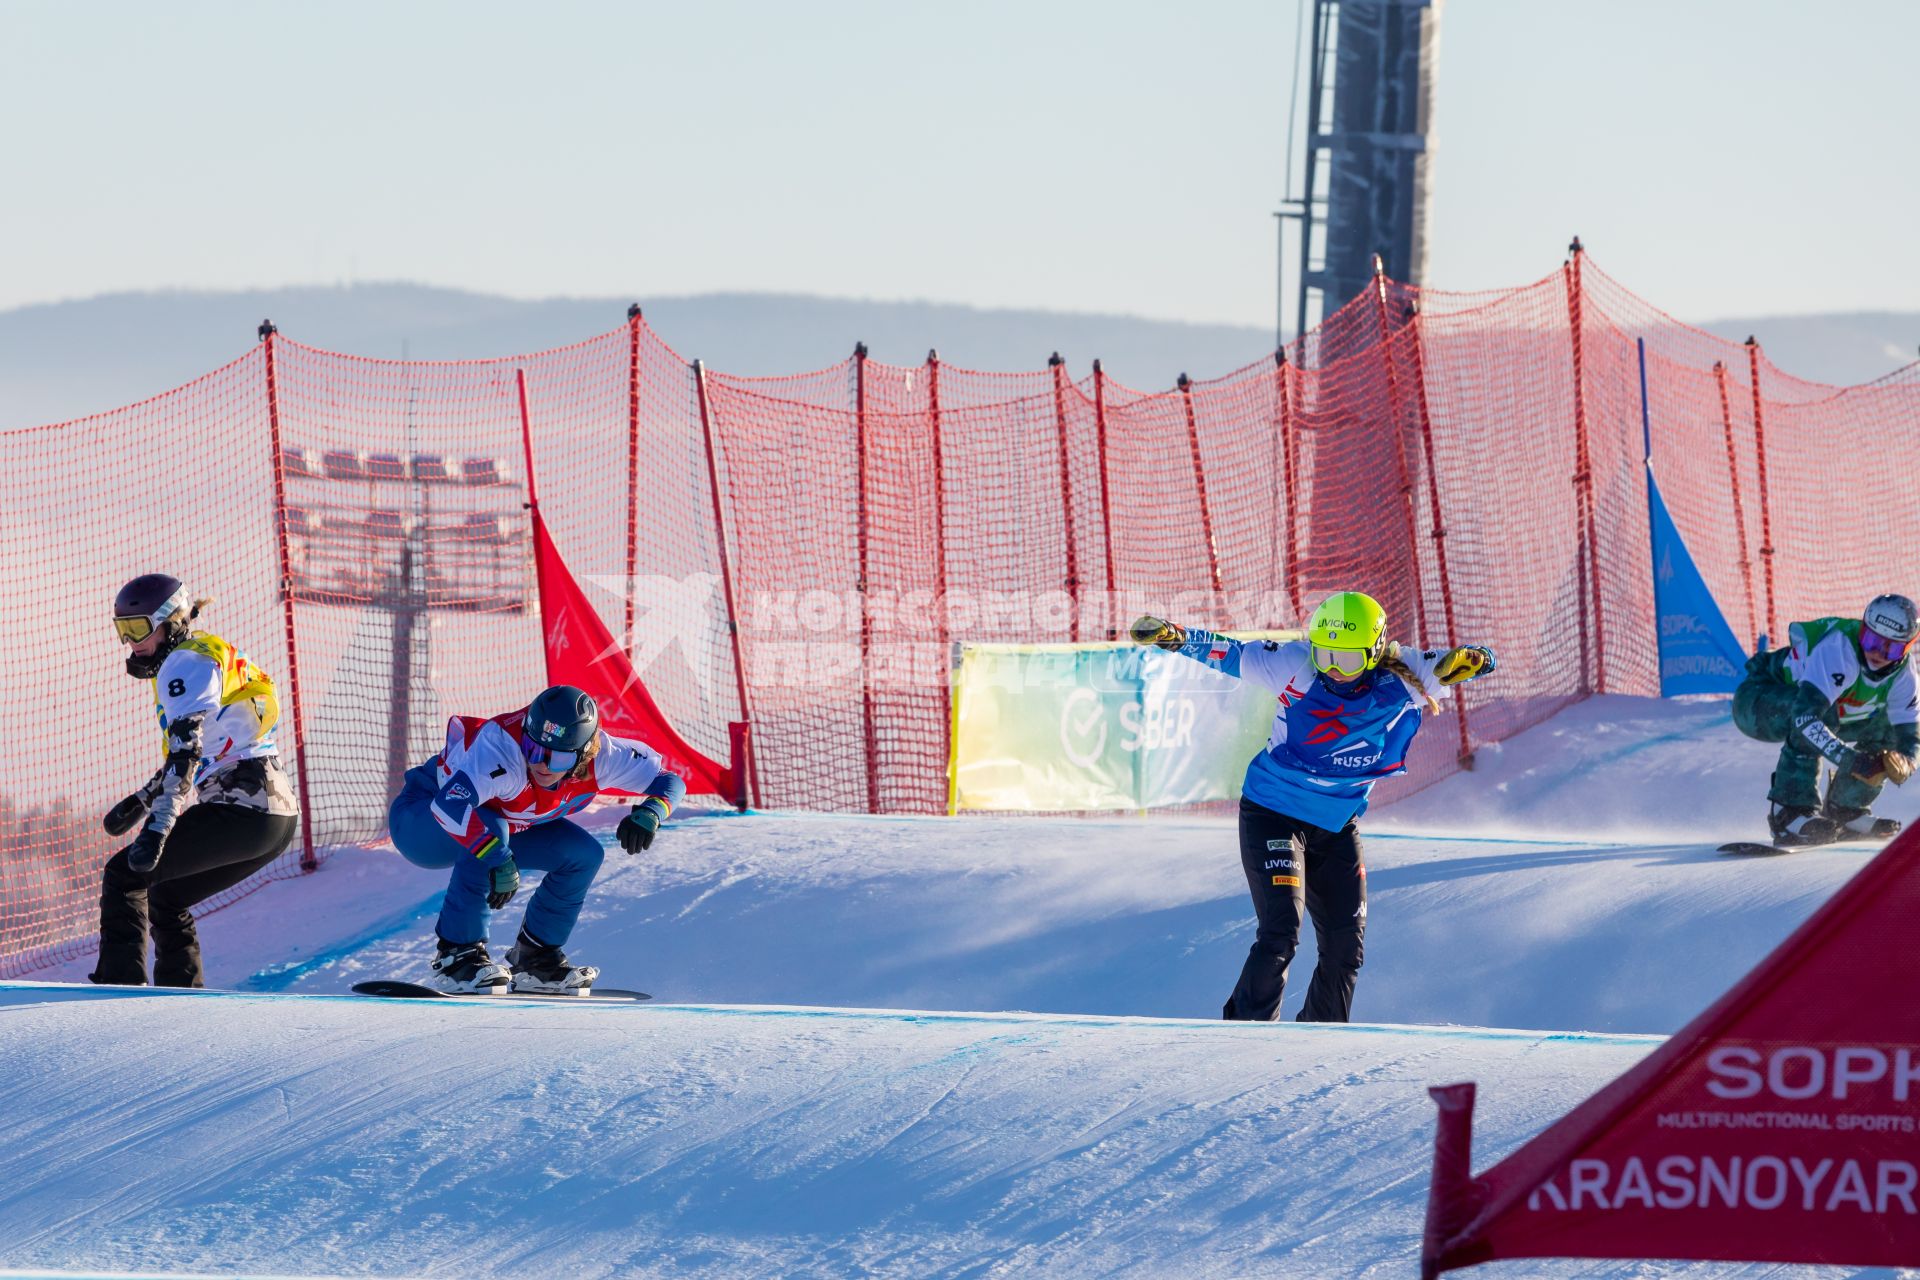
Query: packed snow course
{"x":907,"y":1047}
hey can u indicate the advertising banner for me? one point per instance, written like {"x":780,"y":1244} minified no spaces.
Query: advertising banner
{"x":1698,"y":653}
{"x":1098,"y":726}
{"x":1781,"y":1125}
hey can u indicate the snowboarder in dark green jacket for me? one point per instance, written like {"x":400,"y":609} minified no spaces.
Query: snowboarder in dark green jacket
{"x":1842,"y":695}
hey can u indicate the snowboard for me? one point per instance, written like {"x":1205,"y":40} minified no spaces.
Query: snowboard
{"x":1754,"y":849}
{"x":396,"y":990}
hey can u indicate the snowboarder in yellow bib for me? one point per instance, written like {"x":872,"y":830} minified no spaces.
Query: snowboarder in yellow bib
{"x":1842,"y":695}
{"x":219,"y":809}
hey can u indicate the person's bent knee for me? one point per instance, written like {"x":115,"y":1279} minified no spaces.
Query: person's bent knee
{"x":1275,"y":943}
{"x":418,"y":838}
{"x":572,"y":848}
{"x":1758,"y":713}
{"x":1345,"y":950}
{"x":118,"y":877}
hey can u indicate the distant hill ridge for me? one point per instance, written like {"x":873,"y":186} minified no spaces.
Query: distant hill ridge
{"x":68,"y":359}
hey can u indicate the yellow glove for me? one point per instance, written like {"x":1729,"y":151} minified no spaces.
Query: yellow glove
{"x":1158,"y":632}
{"x":1464,"y":663}
{"x":1884,"y":766}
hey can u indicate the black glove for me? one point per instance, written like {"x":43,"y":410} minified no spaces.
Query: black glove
{"x":121,"y":817}
{"x":637,"y":829}
{"x":503,"y":881}
{"x":143,"y":855}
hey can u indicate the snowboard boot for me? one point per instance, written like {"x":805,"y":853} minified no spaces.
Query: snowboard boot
{"x":1860,"y":824}
{"x":540,"y":968}
{"x":465,"y":968}
{"x":1796,"y":825}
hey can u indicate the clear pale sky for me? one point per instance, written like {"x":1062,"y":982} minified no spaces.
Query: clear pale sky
{"x":1721,"y":157}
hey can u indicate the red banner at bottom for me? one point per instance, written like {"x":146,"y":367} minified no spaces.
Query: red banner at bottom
{"x":1781,"y":1125}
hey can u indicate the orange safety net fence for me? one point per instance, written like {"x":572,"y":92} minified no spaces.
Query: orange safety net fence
{"x":800,"y":553}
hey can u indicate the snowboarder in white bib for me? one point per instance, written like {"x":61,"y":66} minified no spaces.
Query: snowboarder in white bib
{"x":1842,"y":695}
{"x":498,"y":797}
{"x":1350,"y":705}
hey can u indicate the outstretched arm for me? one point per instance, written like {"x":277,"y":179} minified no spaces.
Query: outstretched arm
{"x":1436,"y":668}
{"x":1207,"y":648}
{"x":1268,"y":663}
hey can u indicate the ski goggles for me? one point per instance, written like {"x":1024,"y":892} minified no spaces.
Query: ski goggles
{"x":133,"y":630}
{"x":1345,"y":663}
{"x":548,"y":758}
{"x":1880,"y":649}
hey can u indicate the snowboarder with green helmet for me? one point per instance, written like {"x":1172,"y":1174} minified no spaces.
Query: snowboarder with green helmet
{"x":1841,"y":698}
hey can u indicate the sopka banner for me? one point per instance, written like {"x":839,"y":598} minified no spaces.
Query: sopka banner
{"x":1781,"y":1125}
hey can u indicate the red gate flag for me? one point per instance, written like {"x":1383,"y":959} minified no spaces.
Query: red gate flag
{"x":1778,"y":1126}
{"x":583,"y":653}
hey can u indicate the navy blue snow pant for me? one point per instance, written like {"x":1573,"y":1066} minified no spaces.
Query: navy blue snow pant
{"x":1294,"y":870}
{"x":569,"y":856}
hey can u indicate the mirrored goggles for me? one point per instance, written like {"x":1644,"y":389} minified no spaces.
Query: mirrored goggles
{"x":133,"y":630}
{"x":1881,"y":649}
{"x":1345,"y":663}
{"x":547,"y":758}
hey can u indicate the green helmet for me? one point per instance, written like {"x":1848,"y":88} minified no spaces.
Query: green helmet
{"x":1348,"y":633}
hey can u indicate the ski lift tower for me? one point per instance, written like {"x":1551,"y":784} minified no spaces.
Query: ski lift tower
{"x":1369,"y":108}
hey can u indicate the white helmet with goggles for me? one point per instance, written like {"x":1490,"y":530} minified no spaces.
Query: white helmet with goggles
{"x":1888,"y":626}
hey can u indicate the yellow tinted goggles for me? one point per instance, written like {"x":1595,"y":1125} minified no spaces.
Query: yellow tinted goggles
{"x":132,"y":630}
{"x":1346,"y":663}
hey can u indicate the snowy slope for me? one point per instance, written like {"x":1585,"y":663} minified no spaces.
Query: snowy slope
{"x":1567,"y":883}
{"x":340,"y":1134}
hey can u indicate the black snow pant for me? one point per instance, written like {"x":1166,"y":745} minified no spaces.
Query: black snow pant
{"x":1295,"y":869}
{"x":211,"y":847}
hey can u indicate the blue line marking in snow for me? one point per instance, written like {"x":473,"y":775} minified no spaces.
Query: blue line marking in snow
{"x":279,"y":977}
{"x":1204,"y":1026}
{"x":1558,"y":844}
{"x":1118,"y":819}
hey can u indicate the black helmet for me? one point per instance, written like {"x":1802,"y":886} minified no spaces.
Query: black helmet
{"x":562,"y":718}
{"x":151,"y":602}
